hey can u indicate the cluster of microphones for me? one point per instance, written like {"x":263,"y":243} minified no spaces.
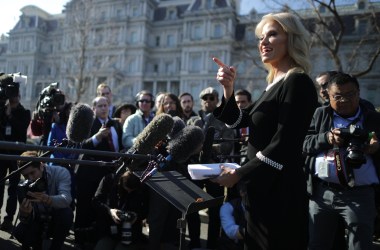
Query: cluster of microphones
{"x":165,"y":140}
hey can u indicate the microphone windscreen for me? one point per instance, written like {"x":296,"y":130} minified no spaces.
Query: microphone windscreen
{"x":186,"y":143}
{"x":153,"y":133}
{"x":79,"y":123}
{"x":178,"y":125}
{"x":206,"y":154}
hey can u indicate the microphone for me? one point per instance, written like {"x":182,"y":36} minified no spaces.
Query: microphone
{"x":178,"y":125}
{"x":186,"y":143}
{"x":79,"y":123}
{"x":206,"y":154}
{"x":152,"y":134}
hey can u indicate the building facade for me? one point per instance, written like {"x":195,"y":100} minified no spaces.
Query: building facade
{"x":153,"y":45}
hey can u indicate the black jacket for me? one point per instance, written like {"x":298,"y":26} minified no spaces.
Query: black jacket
{"x":316,"y":138}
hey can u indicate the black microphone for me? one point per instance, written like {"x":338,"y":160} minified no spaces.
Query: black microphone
{"x":186,"y":143}
{"x":178,"y":125}
{"x":146,"y":142}
{"x":152,"y":134}
{"x":206,"y":154}
{"x":79,"y":123}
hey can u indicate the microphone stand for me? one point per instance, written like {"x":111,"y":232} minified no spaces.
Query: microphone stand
{"x":61,"y":148}
{"x":24,"y":147}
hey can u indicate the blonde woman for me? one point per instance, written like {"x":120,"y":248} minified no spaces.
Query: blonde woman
{"x":276,"y":201}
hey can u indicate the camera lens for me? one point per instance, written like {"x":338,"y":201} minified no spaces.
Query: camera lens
{"x":126,"y":233}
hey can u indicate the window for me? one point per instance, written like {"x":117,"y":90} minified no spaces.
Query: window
{"x":155,"y":68}
{"x":132,"y":65}
{"x":119,"y":14}
{"x":157,"y":41}
{"x":209,"y":4}
{"x":169,"y":67}
{"x":172,"y":15}
{"x":361,"y":6}
{"x":102,"y":15}
{"x":170,"y":40}
{"x":197,"y":32}
{"x":218,"y":33}
{"x":362,"y":27}
{"x":135,"y":11}
{"x":134,"y":38}
{"x":250,"y":35}
{"x":195,"y":62}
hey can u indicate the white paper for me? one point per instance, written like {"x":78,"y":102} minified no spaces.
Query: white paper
{"x":205,"y":171}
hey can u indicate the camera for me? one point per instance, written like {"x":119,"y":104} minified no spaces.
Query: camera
{"x":127,"y":218}
{"x":26,"y":186}
{"x":50,"y":99}
{"x":355,"y":138}
{"x":10,"y":85}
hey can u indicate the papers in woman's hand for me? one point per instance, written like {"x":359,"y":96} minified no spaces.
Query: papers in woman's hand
{"x":205,"y":171}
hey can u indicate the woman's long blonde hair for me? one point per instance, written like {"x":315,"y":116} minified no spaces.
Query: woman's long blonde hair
{"x":298,"y":41}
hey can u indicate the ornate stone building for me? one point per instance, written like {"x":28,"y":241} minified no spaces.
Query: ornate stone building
{"x":147,"y":44}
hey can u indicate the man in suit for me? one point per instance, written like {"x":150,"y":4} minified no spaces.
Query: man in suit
{"x":105,"y":136}
{"x":104,"y":90}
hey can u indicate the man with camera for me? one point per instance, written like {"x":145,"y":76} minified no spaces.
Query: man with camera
{"x":50,"y":103}
{"x":121,"y":207}
{"x":45,"y":198}
{"x":343,"y":160}
{"x":14,"y":121}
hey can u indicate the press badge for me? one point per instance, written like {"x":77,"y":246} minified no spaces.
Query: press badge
{"x":8,"y":130}
{"x":323,"y":169}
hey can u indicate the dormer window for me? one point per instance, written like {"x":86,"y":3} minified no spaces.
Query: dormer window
{"x":361,"y":5}
{"x":172,"y":14}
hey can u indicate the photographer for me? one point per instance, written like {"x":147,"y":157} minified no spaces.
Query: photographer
{"x":45,"y":210}
{"x":120,"y":210}
{"x":343,"y":160}
{"x":14,"y":121}
{"x":51,"y":101}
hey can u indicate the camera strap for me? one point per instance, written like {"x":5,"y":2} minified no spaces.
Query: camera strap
{"x":339,"y":167}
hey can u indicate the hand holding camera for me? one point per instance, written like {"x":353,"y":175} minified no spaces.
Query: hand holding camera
{"x":334,"y":137}
{"x":26,"y":208}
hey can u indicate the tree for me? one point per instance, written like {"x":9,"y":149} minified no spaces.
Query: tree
{"x":331,"y":30}
{"x":79,"y":28}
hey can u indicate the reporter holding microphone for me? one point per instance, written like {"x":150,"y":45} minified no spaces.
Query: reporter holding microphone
{"x":276,"y":200}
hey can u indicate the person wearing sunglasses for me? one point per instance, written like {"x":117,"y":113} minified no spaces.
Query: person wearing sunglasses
{"x":136,"y":122}
{"x":209,"y":98}
{"x":322,"y":80}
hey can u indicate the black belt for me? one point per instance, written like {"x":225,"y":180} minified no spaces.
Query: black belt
{"x":338,"y":187}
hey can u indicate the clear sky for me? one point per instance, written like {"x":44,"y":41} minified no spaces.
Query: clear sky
{"x":11,"y":10}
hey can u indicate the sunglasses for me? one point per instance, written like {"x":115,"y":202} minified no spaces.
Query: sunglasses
{"x":145,"y":101}
{"x":208,"y":97}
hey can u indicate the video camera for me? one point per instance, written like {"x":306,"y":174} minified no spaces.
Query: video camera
{"x":50,"y":99}
{"x":26,"y":186}
{"x":10,"y":85}
{"x":356,"y":139}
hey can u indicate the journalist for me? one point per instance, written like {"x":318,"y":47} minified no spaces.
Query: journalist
{"x":14,"y":122}
{"x":120,"y":206}
{"x":343,"y":160}
{"x":45,"y":198}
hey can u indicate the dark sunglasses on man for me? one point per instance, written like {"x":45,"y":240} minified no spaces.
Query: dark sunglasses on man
{"x":208,"y":97}
{"x":145,"y":101}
